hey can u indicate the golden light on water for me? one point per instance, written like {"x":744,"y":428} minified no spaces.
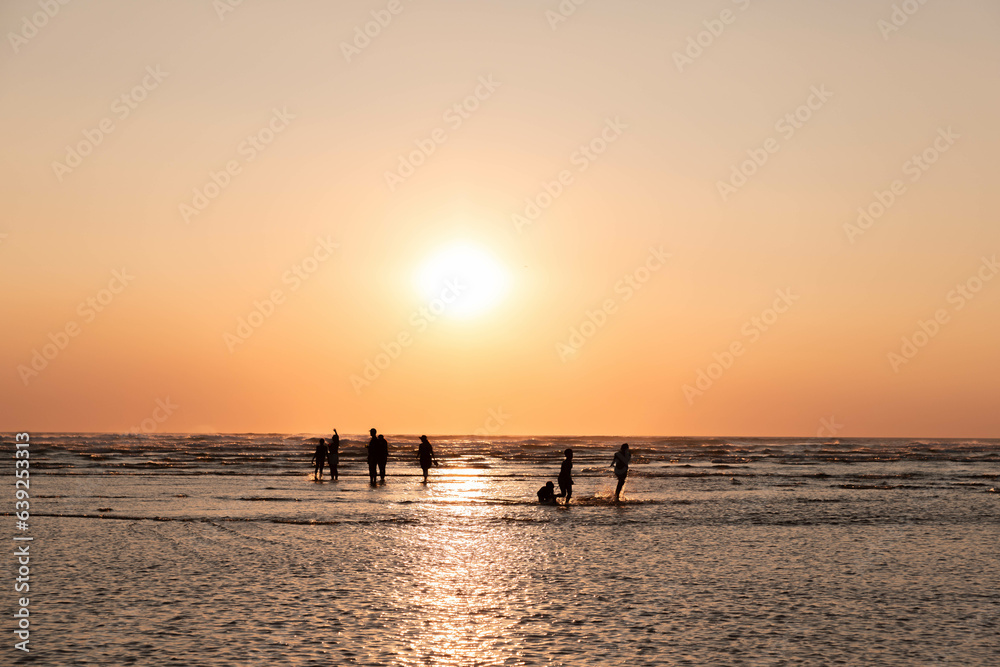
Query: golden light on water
{"x":461,"y":609}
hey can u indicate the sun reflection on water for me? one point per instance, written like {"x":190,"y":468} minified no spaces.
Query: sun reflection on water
{"x":463,"y":598}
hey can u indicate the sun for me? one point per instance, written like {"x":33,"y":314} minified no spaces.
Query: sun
{"x":463,"y":279}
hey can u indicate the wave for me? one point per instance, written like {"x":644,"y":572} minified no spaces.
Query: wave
{"x":289,"y":454}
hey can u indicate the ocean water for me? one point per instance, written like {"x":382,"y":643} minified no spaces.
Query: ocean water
{"x":222,"y":550}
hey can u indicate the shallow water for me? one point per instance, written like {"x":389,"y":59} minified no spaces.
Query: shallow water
{"x":857,"y":553}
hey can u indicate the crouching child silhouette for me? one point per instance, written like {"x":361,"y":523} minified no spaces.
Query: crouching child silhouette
{"x":547,"y":494}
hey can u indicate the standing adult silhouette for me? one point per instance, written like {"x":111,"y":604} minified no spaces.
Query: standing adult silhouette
{"x":426,"y":454}
{"x":383,"y":456}
{"x":372,"y":455}
{"x":333,"y":454}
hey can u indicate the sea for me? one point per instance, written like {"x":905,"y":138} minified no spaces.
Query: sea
{"x":179,"y":549}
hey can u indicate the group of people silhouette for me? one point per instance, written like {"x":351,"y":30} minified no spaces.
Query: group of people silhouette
{"x":547,"y":494}
{"x":378,"y":457}
{"x":326,"y":454}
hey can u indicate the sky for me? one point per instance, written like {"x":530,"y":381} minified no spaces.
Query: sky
{"x":731,"y":217}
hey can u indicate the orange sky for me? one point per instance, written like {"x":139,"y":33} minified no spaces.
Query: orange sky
{"x":650,"y":211}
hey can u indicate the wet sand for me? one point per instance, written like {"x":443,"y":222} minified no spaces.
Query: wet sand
{"x":160,"y":569}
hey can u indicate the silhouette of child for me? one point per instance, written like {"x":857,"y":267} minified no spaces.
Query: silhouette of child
{"x":566,"y":477}
{"x":547,"y":494}
{"x":319,"y":459}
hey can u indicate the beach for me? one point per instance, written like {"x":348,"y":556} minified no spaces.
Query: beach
{"x":756,"y":242}
{"x":222,"y":550}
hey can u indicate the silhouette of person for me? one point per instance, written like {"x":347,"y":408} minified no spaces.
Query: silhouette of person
{"x":319,"y":459}
{"x":566,"y":477}
{"x":622,"y":458}
{"x":547,"y":494}
{"x":372,"y":455}
{"x":383,"y":456}
{"x":426,"y":454}
{"x":333,"y":454}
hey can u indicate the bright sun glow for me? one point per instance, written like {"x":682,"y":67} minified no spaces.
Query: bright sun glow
{"x":462,"y":279}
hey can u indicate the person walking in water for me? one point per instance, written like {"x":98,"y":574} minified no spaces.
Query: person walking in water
{"x":372,"y":456}
{"x":426,"y":454}
{"x":566,"y":477}
{"x":333,"y":454}
{"x":622,"y":458}
{"x":319,"y":459}
{"x":383,"y":456}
